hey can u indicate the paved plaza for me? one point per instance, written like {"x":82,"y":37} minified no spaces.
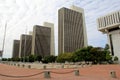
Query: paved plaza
{"x":95,"y":72}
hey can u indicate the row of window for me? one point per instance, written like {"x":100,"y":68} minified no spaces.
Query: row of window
{"x":109,"y":20}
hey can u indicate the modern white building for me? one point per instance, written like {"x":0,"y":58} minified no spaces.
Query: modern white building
{"x":110,"y":25}
{"x":71,"y":29}
{"x":52,"y":43}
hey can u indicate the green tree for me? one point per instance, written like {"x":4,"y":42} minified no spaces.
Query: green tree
{"x":9,"y":59}
{"x":15,"y":59}
{"x":32,"y":58}
{"x":65,"y":57}
{"x":106,"y":47}
{"x":49,"y":59}
{"x":60,"y":58}
{"x":98,"y":54}
{"x":94,"y":54}
{"x":83,"y":54}
{"x":4,"y":59}
{"x":39,"y":58}
{"x":116,"y":58}
{"x":108,"y":57}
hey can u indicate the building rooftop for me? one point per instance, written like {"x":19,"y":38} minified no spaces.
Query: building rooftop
{"x":109,"y":21}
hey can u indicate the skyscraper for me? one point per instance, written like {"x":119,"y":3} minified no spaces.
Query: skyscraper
{"x":71,"y":29}
{"x":25,"y":45}
{"x":15,"y":52}
{"x":41,"y":40}
{"x":52,"y":43}
{"x":110,"y":25}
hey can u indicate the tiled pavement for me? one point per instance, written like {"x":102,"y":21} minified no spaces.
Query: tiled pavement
{"x":96,"y":72}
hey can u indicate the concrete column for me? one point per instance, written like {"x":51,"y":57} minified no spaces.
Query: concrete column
{"x":110,"y":19}
{"x":103,"y":21}
{"x":100,"y":23}
{"x":115,"y":17}
{"x":106,"y":20}
{"x":113,"y":20}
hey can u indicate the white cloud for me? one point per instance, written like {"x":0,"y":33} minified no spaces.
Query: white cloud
{"x":22,"y":13}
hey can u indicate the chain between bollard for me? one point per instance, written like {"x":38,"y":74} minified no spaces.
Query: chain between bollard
{"x":62,"y":72}
{"x":21,"y":76}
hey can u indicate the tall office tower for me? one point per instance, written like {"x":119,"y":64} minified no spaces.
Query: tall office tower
{"x":15,"y":52}
{"x":71,"y":29}
{"x":110,"y":25}
{"x":52,"y":43}
{"x":25,"y":45}
{"x":41,"y":40}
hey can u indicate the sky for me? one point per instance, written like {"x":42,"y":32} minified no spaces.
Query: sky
{"x":24,"y":14}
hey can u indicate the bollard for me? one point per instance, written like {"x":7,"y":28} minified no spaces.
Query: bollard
{"x":113,"y":74}
{"x":62,"y":66}
{"x":44,"y":67}
{"x":90,"y":64}
{"x":29,"y":66}
{"x":23,"y":65}
{"x":76,"y":72}
{"x":46,"y":74}
{"x":18,"y":65}
{"x":82,"y":65}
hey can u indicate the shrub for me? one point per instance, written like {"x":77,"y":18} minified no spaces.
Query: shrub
{"x":116,"y":58}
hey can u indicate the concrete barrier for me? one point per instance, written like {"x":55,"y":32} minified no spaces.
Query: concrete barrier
{"x":29,"y":66}
{"x":90,"y":64}
{"x":23,"y":65}
{"x":47,"y":74}
{"x":18,"y":65}
{"x":82,"y":65}
{"x":14,"y":64}
{"x":113,"y":74}
{"x":62,"y":66}
{"x":76,"y":72}
{"x":44,"y":67}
